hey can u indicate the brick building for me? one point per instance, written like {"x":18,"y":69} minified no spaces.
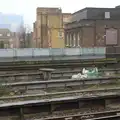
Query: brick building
{"x":66,"y":18}
{"x":8,"y":39}
{"x":91,"y":27}
{"x":49,"y":28}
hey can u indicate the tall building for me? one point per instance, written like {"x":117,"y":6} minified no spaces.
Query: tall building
{"x":49,"y":28}
{"x":10,"y":21}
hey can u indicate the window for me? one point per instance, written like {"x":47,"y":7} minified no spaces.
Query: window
{"x":107,"y":15}
{"x":74,"y":40}
{"x":70,"y":40}
{"x":48,"y":22}
{"x":1,"y":44}
{"x":11,"y":45}
{"x":5,"y":45}
{"x":78,"y":42}
{"x":0,"y":34}
{"x":67,"y":41}
{"x":60,"y":35}
{"x":8,"y":34}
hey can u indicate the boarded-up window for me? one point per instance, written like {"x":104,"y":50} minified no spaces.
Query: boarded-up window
{"x":107,"y":15}
{"x":111,"y":37}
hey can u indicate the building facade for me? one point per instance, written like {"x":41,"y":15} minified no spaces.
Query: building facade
{"x":66,"y":18}
{"x":49,"y":28}
{"x":91,"y":27}
{"x":8,"y":39}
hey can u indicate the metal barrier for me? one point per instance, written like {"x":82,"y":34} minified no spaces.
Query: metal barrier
{"x":35,"y":52}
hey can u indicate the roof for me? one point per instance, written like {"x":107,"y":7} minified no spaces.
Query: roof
{"x":4,"y":31}
{"x":48,"y":8}
{"x":67,"y":13}
{"x":87,"y":8}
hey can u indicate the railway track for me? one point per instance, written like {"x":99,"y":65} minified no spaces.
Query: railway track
{"x":63,"y":82}
{"x":37,"y":86}
{"x":54,"y":75}
{"x":82,"y":93}
{"x":56,"y":65}
{"x":73,"y":115}
{"x":112,"y":117}
{"x":105,"y":60}
{"x":88,"y":116}
{"x":58,"y":106}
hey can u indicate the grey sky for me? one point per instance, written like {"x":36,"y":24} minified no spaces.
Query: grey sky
{"x":27,"y":8}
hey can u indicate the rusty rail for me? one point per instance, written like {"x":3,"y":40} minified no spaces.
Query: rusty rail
{"x":88,"y":116}
{"x":111,"y":117}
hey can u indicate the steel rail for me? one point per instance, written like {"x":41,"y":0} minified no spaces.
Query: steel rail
{"x":61,"y":72}
{"x":111,"y":117}
{"x":58,"y":61}
{"x":56,"y":94}
{"x":86,"y":116}
{"x":59,"y":83}
{"x":37,"y":66}
{"x":20,"y":106}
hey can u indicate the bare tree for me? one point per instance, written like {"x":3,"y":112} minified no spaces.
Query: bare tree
{"x":28,"y":37}
{"x":24,"y":36}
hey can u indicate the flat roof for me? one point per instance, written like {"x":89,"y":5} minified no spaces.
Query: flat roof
{"x":87,"y":8}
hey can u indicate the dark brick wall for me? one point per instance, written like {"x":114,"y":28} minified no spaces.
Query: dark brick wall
{"x":101,"y":26}
{"x":88,"y":36}
{"x":99,"y":13}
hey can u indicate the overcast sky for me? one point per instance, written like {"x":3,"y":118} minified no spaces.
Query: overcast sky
{"x":27,"y":8}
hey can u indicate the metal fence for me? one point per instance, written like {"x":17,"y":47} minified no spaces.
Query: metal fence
{"x":38,"y":52}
